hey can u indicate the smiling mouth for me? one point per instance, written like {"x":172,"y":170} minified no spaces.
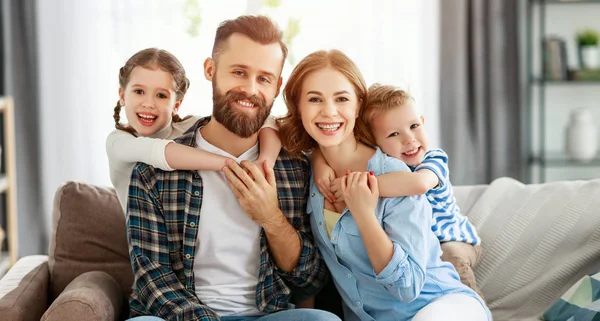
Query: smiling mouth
{"x":245,"y":104}
{"x":412,"y":152}
{"x":329,"y":127}
{"x":147,"y":118}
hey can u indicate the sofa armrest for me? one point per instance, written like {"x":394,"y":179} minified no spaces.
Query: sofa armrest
{"x":93,"y":296}
{"x":24,"y":289}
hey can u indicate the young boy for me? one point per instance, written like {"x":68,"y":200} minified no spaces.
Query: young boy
{"x":397,"y":128}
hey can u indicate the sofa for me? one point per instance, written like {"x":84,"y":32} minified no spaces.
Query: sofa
{"x":538,"y":240}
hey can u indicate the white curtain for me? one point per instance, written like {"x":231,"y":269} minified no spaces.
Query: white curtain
{"x":84,"y":43}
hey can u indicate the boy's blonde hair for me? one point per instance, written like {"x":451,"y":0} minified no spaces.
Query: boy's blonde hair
{"x":383,"y":98}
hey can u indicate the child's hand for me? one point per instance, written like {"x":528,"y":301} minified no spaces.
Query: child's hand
{"x":324,"y":175}
{"x":360,"y":192}
{"x":336,"y":189}
{"x":259,"y":163}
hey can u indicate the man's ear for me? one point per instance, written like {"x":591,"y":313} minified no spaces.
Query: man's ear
{"x":209,"y":68}
{"x":121,"y":97}
{"x":422,"y":120}
{"x":177,"y":105}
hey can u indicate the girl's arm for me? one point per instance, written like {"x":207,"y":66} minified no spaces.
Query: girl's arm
{"x":396,"y":184}
{"x":189,"y":158}
{"x":124,"y":148}
{"x":270,"y":145}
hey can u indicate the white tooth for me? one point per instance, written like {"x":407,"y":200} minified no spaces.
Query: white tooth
{"x":329,"y":126}
{"x":243,"y":103}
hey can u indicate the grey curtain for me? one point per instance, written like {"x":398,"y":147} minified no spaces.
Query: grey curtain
{"x":480,"y":103}
{"x":20,"y":77}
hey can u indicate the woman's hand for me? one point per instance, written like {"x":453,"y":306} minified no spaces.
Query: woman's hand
{"x":361,"y":193}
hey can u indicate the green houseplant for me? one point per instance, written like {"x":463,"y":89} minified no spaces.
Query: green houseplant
{"x":587,"y":42}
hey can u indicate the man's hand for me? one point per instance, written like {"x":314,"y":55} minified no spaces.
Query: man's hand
{"x":256,"y":193}
{"x":361,"y":193}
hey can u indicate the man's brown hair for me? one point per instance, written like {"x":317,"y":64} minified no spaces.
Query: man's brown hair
{"x":260,"y":29}
{"x":293,"y":135}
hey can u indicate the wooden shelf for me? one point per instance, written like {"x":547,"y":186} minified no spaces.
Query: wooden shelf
{"x":557,"y":159}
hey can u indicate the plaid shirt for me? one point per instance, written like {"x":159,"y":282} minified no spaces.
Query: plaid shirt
{"x":162,"y":230}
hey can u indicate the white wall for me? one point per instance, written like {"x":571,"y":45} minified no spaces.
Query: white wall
{"x":84,"y":43}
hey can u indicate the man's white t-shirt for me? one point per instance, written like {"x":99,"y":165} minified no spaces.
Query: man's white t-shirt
{"x":228,"y":252}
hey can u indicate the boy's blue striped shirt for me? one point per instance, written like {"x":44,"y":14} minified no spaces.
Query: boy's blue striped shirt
{"x":448,"y":223}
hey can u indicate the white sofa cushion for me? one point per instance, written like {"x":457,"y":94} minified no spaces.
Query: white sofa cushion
{"x":538,"y":240}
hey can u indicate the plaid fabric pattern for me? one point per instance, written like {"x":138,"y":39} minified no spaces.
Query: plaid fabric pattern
{"x":580,"y":303}
{"x":163,"y":216}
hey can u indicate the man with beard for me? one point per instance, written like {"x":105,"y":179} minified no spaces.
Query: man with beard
{"x":227,"y":245}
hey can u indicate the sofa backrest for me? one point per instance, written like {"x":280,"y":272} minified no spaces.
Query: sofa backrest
{"x":88,"y":234}
{"x":537,"y":240}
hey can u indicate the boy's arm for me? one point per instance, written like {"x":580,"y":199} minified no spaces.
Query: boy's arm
{"x":396,"y":184}
{"x":431,"y":173}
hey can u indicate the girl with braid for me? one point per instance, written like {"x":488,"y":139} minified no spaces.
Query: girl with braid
{"x":152,"y":85}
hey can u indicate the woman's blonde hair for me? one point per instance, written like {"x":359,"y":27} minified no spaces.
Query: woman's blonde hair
{"x":294,"y":137}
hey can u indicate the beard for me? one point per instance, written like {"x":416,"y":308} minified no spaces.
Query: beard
{"x":235,"y":120}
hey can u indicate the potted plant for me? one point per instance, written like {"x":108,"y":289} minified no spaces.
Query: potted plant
{"x":587,"y":41}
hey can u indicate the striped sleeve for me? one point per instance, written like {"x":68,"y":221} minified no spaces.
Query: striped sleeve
{"x":436,"y":161}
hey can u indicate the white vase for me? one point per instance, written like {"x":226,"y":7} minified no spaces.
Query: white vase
{"x":589,"y":57}
{"x":582,"y":136}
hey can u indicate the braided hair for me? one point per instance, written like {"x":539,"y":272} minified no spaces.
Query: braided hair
{"x":152,"y":58}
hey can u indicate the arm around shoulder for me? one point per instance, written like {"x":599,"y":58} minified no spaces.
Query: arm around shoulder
{"x":126,"y":148}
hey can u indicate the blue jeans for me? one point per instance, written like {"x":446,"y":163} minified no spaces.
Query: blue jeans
{"x":289,"y":315}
